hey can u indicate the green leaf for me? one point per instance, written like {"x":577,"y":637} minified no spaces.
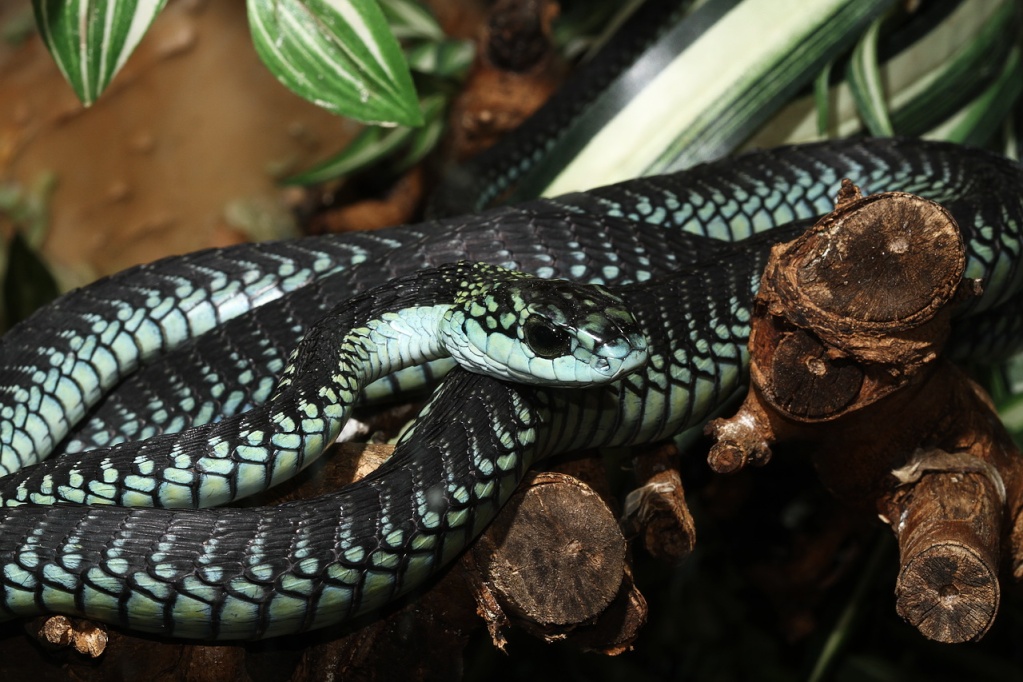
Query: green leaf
{"x":411,"y":20}
{"x":679,"y":112}
{"x":370,"y":146}
{"x":929,"y":74}
{"x":980,"y":120}
{"x":92,"y":39}
{"x":821,"y":96}
{"x":374,"y":145}
{"x":843,"y":628}
{"x":938,"y":93}
{"x":338,"y":54}
{"x":865,"y":82}
{"x":443,"y":58}
{"x":426,"y":138}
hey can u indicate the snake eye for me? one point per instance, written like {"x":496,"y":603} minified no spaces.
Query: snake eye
{"x":546,"y":340}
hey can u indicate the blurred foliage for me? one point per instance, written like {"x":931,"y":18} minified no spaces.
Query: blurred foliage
{"x":27,"y":282}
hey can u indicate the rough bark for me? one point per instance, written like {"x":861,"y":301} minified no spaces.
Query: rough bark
{"x":656,"y":511}
{"x":949,"y":528}
{"x":845,"y":360}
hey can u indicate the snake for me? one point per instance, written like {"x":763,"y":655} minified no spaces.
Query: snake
{"x":488,"y":319}
{"x":682,"y":252}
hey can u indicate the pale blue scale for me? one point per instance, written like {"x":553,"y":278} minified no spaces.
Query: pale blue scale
{"x":384,"y":559}
{"x":456,"y":518}
{"x":70,"y":558}
{"x":100,"y":603}
{"x":143,"y":609}
{"x":248,"y":589}
{"x":162,"y":570}
{"x":193,"y":618}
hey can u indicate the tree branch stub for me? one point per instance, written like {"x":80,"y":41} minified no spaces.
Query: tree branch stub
{"x":845,"y":348}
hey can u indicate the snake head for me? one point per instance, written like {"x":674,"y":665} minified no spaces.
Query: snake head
{"x":549,"y":332}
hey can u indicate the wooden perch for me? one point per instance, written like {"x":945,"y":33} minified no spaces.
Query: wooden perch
{"x":949,"y":523}
{"x":656,"y":511}
{"x":845,"y":361}
{"x":554,"y":563}
{"x":582,"y":545}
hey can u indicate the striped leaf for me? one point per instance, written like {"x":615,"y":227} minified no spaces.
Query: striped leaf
{"x":821,"y":96}
{"x":338,"y":54}
{"x":980,"y":121}
{"x":375,"y":145}
{"x":682,"y":111}
{"x":409,"y":19}
{"x":865,"y":82}
{"x":92,"y":39}
{"x":372,"y":145}
{"x":930,"y":72}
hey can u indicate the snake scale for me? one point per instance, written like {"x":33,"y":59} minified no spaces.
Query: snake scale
{"x":682,"y":251}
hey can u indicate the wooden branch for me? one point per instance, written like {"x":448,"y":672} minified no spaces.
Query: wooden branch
{"x":949,"y":525}
{"x":656,"y":511}
{"x":845,"y":359}
{"x":519,"y":34}
{"x":571,"y":576}
{"x":515,"y":73}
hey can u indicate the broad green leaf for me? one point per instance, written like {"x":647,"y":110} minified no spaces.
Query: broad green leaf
{"x":681,"y":112}
{"x":865,"y":81}
{"x":92,"y":39}
{"x":409,"y":19}
{"x":338,"y":54}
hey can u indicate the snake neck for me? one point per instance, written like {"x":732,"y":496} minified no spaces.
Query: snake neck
{"x":393,"y":341}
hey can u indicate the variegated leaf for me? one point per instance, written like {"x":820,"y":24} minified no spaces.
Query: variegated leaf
{"x":339,"y":54}
{"x":92,"y":39}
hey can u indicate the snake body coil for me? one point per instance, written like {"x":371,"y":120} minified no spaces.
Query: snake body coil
{"x":491,"y":320}
{"x":629,"y":232}
{"x":233,"y":573}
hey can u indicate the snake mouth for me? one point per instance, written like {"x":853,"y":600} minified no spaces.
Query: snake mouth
{"x":614,"y":362}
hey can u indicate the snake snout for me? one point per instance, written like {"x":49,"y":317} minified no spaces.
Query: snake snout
{"x":617,"y":358}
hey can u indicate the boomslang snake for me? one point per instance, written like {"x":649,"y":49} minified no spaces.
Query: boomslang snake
{"x":489,"y":319}
{"x":242,"y":573}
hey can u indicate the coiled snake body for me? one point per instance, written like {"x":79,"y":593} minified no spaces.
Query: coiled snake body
{"x":489,"y":319}
{"x":233,"y":573}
